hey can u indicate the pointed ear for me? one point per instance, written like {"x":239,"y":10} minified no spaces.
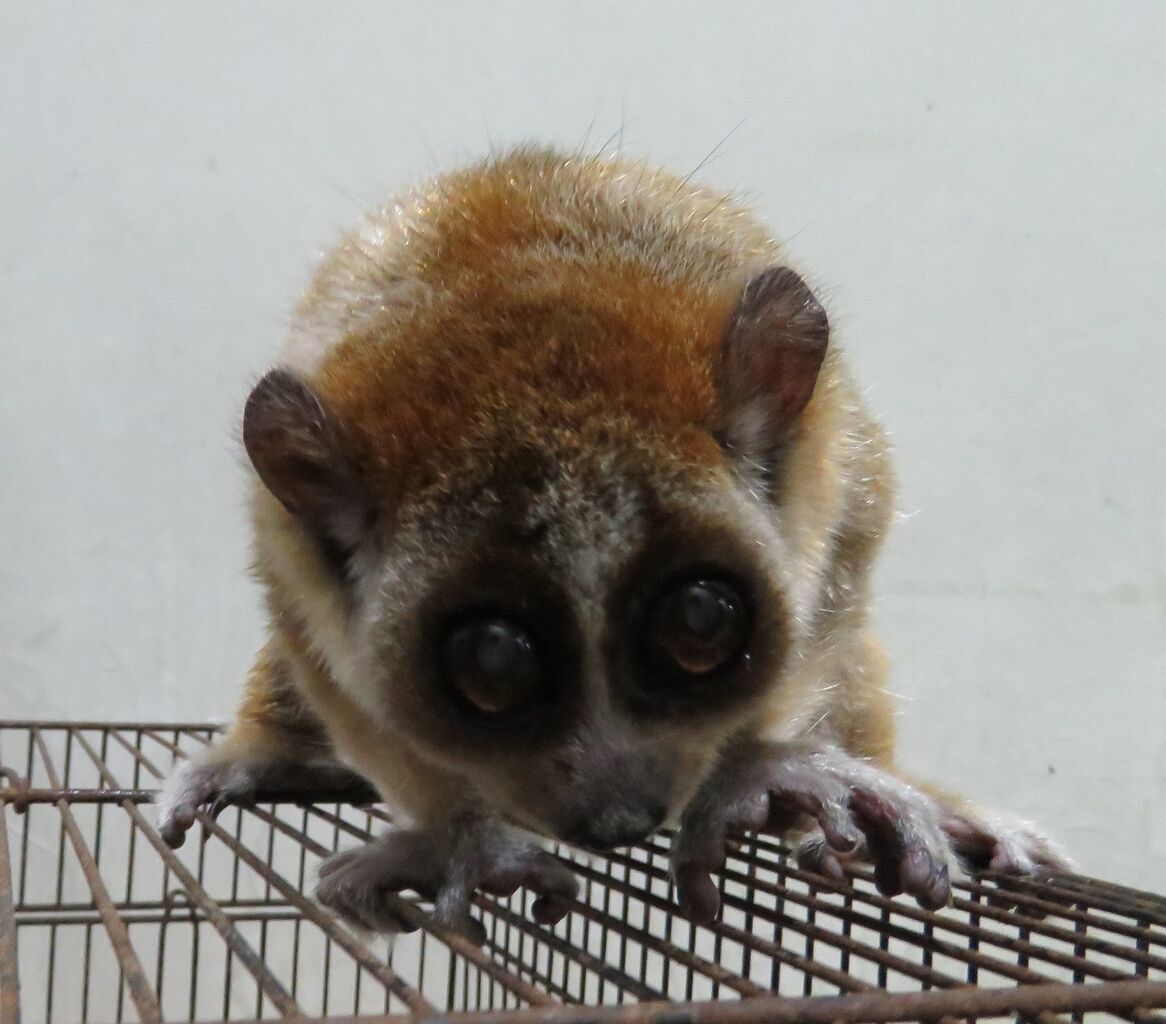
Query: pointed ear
{"x":300,"y":452}
{"x":772,"y":352}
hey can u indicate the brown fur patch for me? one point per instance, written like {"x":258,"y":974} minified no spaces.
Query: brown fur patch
{"x":520,"y":358}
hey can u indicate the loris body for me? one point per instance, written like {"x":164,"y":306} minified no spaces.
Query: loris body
{"x":566,"y":508}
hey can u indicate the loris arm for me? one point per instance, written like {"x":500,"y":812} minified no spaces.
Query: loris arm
{"x":274,"y":745}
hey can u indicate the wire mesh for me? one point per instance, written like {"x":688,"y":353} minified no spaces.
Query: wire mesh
{"x":101,"y":922}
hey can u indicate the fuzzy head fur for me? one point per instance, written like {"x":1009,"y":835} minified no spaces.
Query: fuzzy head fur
{"x":550,"y":385}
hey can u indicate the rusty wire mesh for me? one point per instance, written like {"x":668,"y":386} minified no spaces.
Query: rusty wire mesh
{"x":99,"y":921}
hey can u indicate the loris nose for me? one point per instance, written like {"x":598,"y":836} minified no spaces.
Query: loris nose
{"x":615,"y":826}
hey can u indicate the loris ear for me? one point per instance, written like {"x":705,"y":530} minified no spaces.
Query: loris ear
{"x":300,"y":452}
{"x":770,"y":358}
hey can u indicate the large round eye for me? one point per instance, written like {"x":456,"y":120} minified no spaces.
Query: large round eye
{"x":698,"y":627}
{"x":492,"y":663}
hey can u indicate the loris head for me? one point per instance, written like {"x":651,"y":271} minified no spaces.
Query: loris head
{"x":534,"y":538}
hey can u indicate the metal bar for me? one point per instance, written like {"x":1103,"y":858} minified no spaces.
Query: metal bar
{"x":41,"y":725}
{"x":412,"y":913}
{"x":166,"y":905}
{"x":710,"y":969}
{"x":822,"y":972}
{"x":191,"y":916}
{"x":1006,"y":917}
{"x":141,"y":992}
{"x":1017,"y":946}
{"x":9,"y":962}
{"x":457,"y":943}
{"x":170,"y":745}
{"x":139,"y":757}
{"x":670,"y":951}
{"x":1140,"y":954}
{"x":580,"y":956}
{"x":247,"y":955}
{"x":330,"y":926}
{"x":1119,"y":899}
{"x":1131,"y":902}
{"x":809,"y":966}
{"x":758,"y":886}
{"x":620,"y":979}
{"x":975,"y":888}
{"x":21,"y":798}
{"x":355,"y":794}
{"x":874,"y":1007}
{"x":1012,"y":919}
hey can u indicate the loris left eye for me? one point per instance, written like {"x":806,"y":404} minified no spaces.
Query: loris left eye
{"x":492,"y":663}
{"x":697,"y":627}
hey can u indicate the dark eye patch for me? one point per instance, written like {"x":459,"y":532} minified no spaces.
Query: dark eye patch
{"x":497,"y":659}
{"x":694,"y":625}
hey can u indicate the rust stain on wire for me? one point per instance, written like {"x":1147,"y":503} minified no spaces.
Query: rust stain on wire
{"x":246,"y":954}
{"x":131,"y":967}
{"x":9,"y":967}
{"x":880,"y":1008}
{"x":413,"y":999}
{"x":408,"y":911}
{"x":225,"y":929}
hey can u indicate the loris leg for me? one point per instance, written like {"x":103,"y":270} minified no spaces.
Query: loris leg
{"x":444,"y":862}
{"x":856,"y":805}
{"x":274,"y":744}
{"x":449,"y":849}
{"x":859,"y":809}
{"x":987,"y":840}
{"x":980,"y":839}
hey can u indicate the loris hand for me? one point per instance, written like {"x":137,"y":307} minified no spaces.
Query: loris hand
{"x":856,"y":805}
{"x":206,"y":784}
{"x":446,"y":865}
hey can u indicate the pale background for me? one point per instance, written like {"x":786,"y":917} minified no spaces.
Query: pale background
{"x":978,"y":189}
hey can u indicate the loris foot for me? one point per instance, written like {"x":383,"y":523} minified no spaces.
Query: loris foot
{"x":991,"y":841}
{"x":446,"y":866}
{"x":205,"y":784}
{"x":860,"y":809}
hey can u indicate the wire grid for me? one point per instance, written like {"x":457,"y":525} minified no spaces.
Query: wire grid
{"x":100,"y":921}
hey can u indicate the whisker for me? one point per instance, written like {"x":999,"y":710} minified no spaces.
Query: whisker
{"x":713,"y":152}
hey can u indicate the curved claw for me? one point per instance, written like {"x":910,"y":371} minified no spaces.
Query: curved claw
{"x":192,"y":787}
{"x":556,"y":887}
{"x":1009,"y":847}
{"x":996,"y":842}
{"x":905,"y":843}
{"x":697,"y":892}
{"x":814,"y":854}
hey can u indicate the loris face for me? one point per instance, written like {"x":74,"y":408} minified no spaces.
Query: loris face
{"x":578,"y":647}
{"x":571,"y":608}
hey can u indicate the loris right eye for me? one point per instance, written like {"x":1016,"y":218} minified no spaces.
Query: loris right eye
{"x":492,"y":663}
{"x":697,"y":628}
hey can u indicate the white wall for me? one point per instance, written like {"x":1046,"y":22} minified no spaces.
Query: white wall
{"x":979,"y":189}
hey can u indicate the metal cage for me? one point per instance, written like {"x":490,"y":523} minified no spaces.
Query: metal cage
{"x":101,"y":922}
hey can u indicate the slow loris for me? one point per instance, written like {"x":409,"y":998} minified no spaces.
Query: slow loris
{"x":565,"y":508}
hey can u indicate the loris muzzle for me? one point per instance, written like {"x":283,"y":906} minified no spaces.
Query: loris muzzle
{"x":565,"y":508}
